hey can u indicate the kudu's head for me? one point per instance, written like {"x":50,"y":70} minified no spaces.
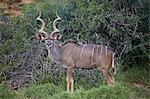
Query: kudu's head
{"x":44,"y":36}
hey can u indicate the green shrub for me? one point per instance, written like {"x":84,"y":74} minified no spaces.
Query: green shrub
{"x":112,"y":23}
{"x":109,"y":22}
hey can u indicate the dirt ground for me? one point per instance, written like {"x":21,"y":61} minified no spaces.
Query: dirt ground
{"x":13,"y":7}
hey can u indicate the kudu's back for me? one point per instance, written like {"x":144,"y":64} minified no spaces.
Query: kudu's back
{"x":87,"y":55}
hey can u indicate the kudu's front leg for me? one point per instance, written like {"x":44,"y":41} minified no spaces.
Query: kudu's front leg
{"x":70,"y":81}
{"x":108,"y":76}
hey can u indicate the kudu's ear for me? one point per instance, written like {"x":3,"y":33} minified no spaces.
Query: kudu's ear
{"x":58,"y":37}
{"x":41,"y":36}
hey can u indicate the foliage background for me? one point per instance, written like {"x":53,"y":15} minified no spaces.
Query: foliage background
{"x":122,"y":25}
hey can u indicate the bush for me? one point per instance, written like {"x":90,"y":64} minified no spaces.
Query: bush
{"x":120,"y":25}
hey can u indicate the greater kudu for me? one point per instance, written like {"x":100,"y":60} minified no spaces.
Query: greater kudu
{"x":76,"y":55}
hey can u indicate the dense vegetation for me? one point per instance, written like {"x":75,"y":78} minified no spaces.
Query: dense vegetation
{"x":120,"y":24}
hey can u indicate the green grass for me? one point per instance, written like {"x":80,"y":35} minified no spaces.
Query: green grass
{"x":41,"y":91}
{"x":6,"y":93}
{"x":123,"y":89}
{"x":50,"y":91}
{"x":103,"y":92}
{"x":136,"y":75}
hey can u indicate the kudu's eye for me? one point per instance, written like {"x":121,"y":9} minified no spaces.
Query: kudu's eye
{"x":48,"y":43}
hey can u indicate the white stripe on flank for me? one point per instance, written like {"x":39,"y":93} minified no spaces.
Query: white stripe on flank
{"x":93,"y":52}
{"x":101,"y":51}
{"x":97,"y":50}
{"x":106,"y":49}
{"x":74,"y":49}
{"x":82,"y":49}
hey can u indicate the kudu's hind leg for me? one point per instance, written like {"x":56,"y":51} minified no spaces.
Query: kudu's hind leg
{"x":70,"y":81}
{"x":108,"y":76}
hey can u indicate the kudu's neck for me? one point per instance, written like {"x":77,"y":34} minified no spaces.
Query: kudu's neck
{"x":55,"y":53}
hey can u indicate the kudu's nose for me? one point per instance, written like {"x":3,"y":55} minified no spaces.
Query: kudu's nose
{"x":48,"y":43}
